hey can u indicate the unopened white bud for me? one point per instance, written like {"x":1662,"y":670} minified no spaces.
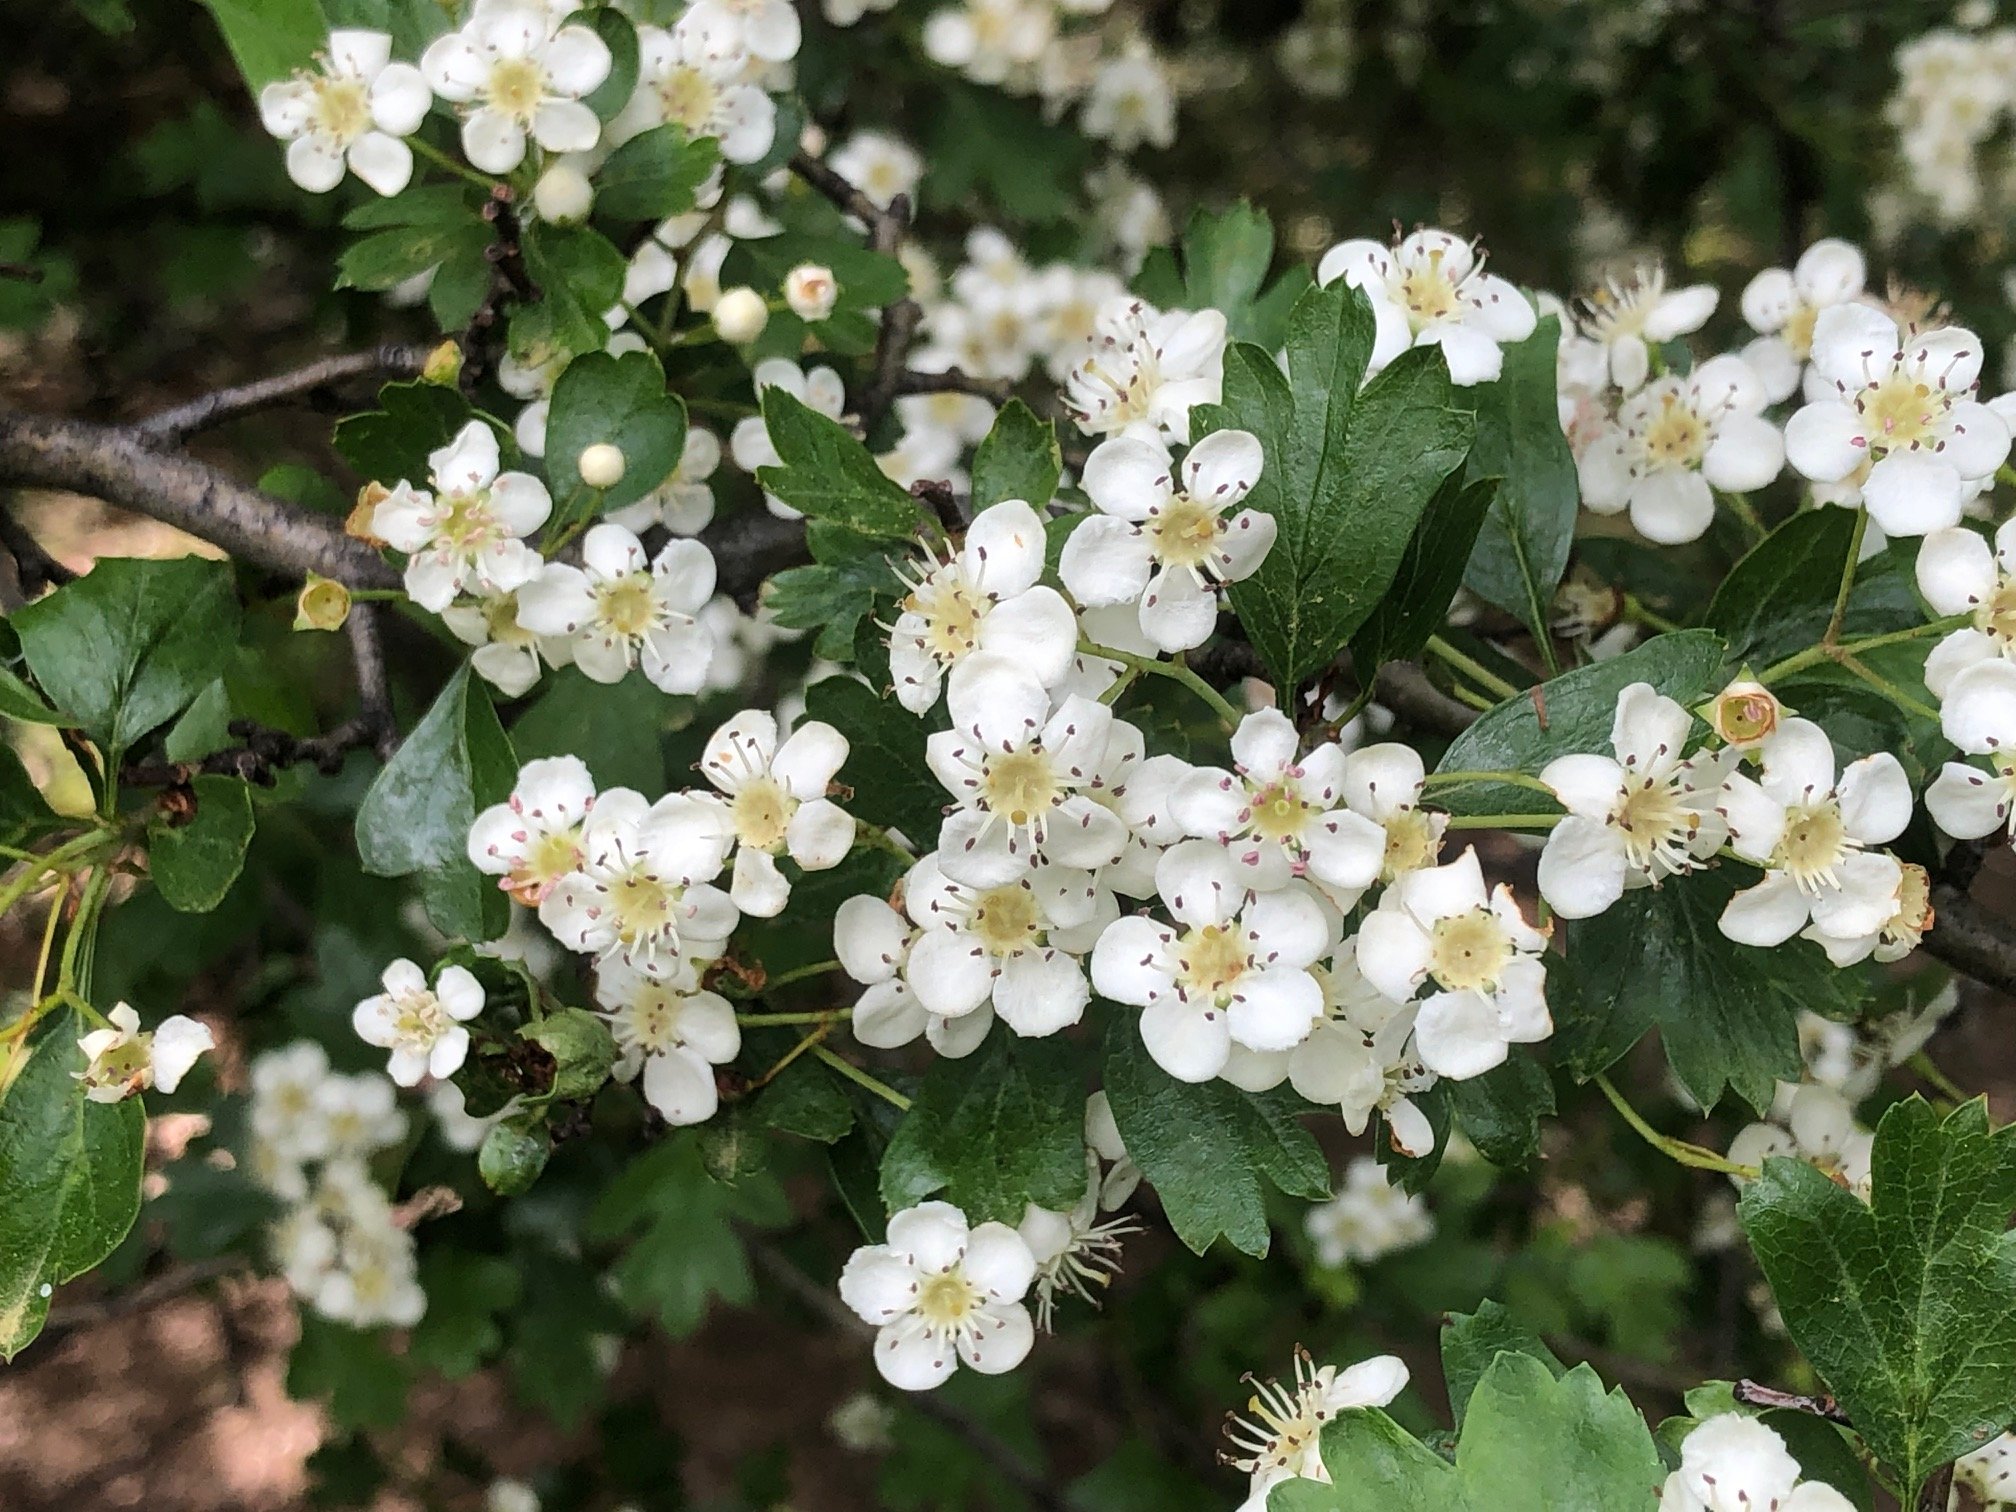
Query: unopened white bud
{"x":811,"y":291}
{"x":740,"y":315}
{"x":563,"y":194}
{"x":601,"y":465}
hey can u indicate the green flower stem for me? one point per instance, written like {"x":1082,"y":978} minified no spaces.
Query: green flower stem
{"x":1476,"y":671}
{"x":1517,"y":779}
{"x":799,"y":974}
{"x":1922,"y":1064}
{"x":440,"y":159}
{"x":1889,"y":690}
{"x":1848,"y":567}
{"x":1171,"y":669}
{"x":1813,"y":655}
{"x":779,"y":1020}
{"x":1740,"y":506}
{"x":1673,"y":1149}
{"x":862,"y":1079}
{"x":878,"y":837}
{"x":72,"y":855}
{"x":80,"y":946}
{"x":1636,"y":608}
{"x":1505,"y":821}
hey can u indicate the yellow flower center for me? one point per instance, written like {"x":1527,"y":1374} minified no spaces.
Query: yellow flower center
{"x":1428,"y":292}
{"x":517,"y":86}
{"x":419,"y":1016}
{"x":1914,"y":903}
{"x":1798,"y":331}
{"x":1468,"y":951}
{"x":643,"y":905}
{"x":1997,"y":616}
{"x":1412,"y":840}
{"x":1899,"y":413}
{"x":1676,"y":437}
{"x":1005,"y":920}
{"x":124,"y":1065}
{"x":467,"y":524}
{"x":1814,"y":843}
{"x":952,"y":611}
{"x":761,"y":813}
{"x":342,"y":108}
{"x":1184,"y":533}
{"x":1279,"y":813}
{"x":687,"y":96}
{"x":1210,"y":961}
{"x":546,"y":861}
{"x":1020,"y":786}
{"x":626,"y":606}
{"x":1652,"y":821}
{"x":944,"y":1301}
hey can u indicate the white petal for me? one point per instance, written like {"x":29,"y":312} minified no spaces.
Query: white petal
{"x":1582,"y":867}
{"x":1769,"y":913}
{"x":1188,"y":1041}
{"x":1956,"y":570}
{"x":1910,"y":493}
{"x":1826,"y":441}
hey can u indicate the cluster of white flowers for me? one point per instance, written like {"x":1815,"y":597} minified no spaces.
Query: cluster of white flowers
{"x":1815,"y":1123}
{"x":1734,"y":1463}
{"x":339,"y":1243}
{"x":1368,"y":1219}
{"x":1955,"y":91}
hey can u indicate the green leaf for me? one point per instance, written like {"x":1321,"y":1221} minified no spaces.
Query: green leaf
{"x":1501,"y":1110}
{"x":1347,"y":474}
{"x":1580,"y":707}
{"x":616,"y":30}
{"x":195,"y":864}
{"x":1728,"y":1014}
{"x":579,"y":274}
{"x":69,"y":1178}
{"x":1531,"y":1442}
{"x":868,"y":280}
{"x":827,"y":473}
{"x":1210,"y":1150}
{"x":1018,"y":459}
{"x":23,"y":809}
{"x":1226,"y":255}
{"x":393,"y":441}
{"x":466,"y":1293}
{"x":1429,"y":574}
{"x":386,"y":259}
{"x":1522,"y":549}
{"x":620,"y":401}
{"x":416,"y":815}
{"x":654,"y":175}
{"x":994,"y":1131}
{"x":1779,"y":598}
{"x":1902,"y":1303}
{"x":19,"y":701}
{"x":893,"y":783}
{"x":808,"y":1099}
{"x":1471,"y":1341}
{"x":270,"y":38}
{"x":126,"y":646}
{"x":832,"y":598}
{"x":616,"y":728}
{"x":350,"y":1370}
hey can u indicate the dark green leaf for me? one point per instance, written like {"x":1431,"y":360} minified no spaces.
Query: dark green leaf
{"x":579,"y":274}
{"x":827,"y":473}
{"x":194,"y":864}
{"x":893,"y":784}
{"x":838,"y":592}
{"x":19,"y":701}
{"x":393,"y":441}
{"x":1501,"y":1110}
{"x":620,"y":401}
{"x":386,"y":259}
{"x":808,"y":1100}
{"x":616,"y":728}
{"x":1018,"y":459}
{"x":22,"y":806}
{"x":1471,"y":1341}
{"x":465,"y":1295}
{"x":1415,"y":607}
{"x":616,"y":30}
{"x":350,"y":1370}
{"x":1779,"y":598}
{"x":655,"y":174}
{"x":270,"y":38}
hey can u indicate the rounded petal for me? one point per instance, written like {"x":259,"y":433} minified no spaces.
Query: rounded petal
{"x":1826,"y":441}
{"x":878,"y":1284}
{"x":1036,"y":628}
{"x":577,"y":61}
{"x":1956,"y":569}
{"x":1458,"y":1035}
{"x":1187,"y":1040}
{"x":1875,"y":798}
{"x":911,"y":1357}
{"x":1000,"y":1341}
{"x":1747,"y":453}
{"x":1966,"y":803}
{"x":492,"y":140}
{"x":1178,"y":613}
{"x":384,"y":162}
{"x":1979,"y":714}
{"x":1106,"y":561}
{"x":999,"y":1262}
{"x":1275,"y":1009}
{"x":1004,"y":549}
{"x":681,"y":1086}
{"x":949,"y":973}
{"x":1222,"y":468}
{"x":1672,"y":506}
{"x":1129,"y":964}
{"x":820,"y":835}
{"x":1040,"y":992}
{"x":1582,"y":868}
{"x":1128,"y":478}
{"x":1910,"y":493}
{"x":1769,"y":913}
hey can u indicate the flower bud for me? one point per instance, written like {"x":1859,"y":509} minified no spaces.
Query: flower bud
{"x":512,"y":1157}
{"x":323,"y":604}
{"x":1744,"y":714}
{"x":443,"y":366}
{"x":361,"y":521}
{"x":740,"y":315}
{"x":811,"y":291}
{"x":601,"y":465}
{"x":563,"y":194}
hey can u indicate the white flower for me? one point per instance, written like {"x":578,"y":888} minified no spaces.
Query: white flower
{"x":1440,"y":924}
{"x":515,"y":72}
{"x":619,"y":613}
{"x":1233,"y":969}
{"x":1625,"y":319}
{"x":990,"y":41}
{"x":775,"y":804}
{"x":1168,"y":550}
{"x":465,"y":535}
{"x":1075,"y":1251}
{"x":765,"y":29}
{"x":508,"y":656}
{"x":420,"y":1025}
{"x":998,"y":947}
{"x":1901,"y":420}
{"x":1131,"y":102}
{"x":1281,"y":815}
{"x":1673,"y":439}
{"x":811,"y":291}
{"x":1431,"y":289}
{"x":1959,"y":573}
{"x":1384,"y":783}
{"x":872,"y":942}
{"x":361,"y":1114}
{"x":1734,"y":1463}
{"x":1784,"y":305}
{"x":1360,"y":1058}
{"x":287,"y":1114}
{"x":1017,"y":772}
{"x":533,"y":839}
{"x":1102,"y":1138}
{"x":642,"y":894}
{"x":684,"y":502}
{"x":1368,"y":1219}
{"x":696,"y":76}
{"x":1147,"y":370}
{"x":878,"y":165}
{"x":939,"y":1292}
{"x":1636,"y":820}
{"x":352,"y":111}
{"x":1808,"y":834}
{"x":122,"y":1059}
{"x":1909,"y":915}
{"x":1813,"y":1123}
{"x":672,"y":1033}
{"x":984,"y":597}
{"x":1281,"y":1437}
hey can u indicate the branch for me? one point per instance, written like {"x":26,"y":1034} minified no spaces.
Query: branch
{"x":955,"y":381}
{"x":1970,"y":939}
{"x":395,"y":359}
{"x":835,"y":186}
{"x":260,"y":757}
{"x":150,"y":1293}
{"x":1750,"y":1394}
{"x":749,"y":548}
{"x":124,"y":467}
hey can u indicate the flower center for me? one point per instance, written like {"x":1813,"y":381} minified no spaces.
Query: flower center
{"x":952,"y":610}
{"x":1184,"y":532}
{"x":1914,"y":903}
{"x":1899,"y":412}
{"x":467,"y":524}
{"x":1997,"y":616}
{"x":1412,"y":840}
{"x":643,"y":905}
{"x":342,"y":109}
{"x":124,"y":1065}
{"x":1467,"y":951}
{"x":1020,"y":785}
{"x":1428,"y":292}
{"x":1005,"y":920}
{"x":626,"y":606}
{"x":1676,"y":437}
{"x":1655,"y":825}
{"x":517,"y":86}
{"x":545,"y":862}
{"x":1279,"y":812}
{"x":1798,"y":331}
{"x":1210,"y":960}
{"x":419,"y":1018}
{"x":944,"y":1301}
{"x":650,"y":1022}
{"x":687,"y":97}
{"x":1814,"y":843}
{"x":762,"y":812}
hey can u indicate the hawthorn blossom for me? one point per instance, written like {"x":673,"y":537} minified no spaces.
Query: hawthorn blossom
{"x":1810,"y":833}
{"x":1624,"y":320}
{"x":1430,"y":289}
{"x":1282,"y":1438}
{"x":1734,"y":1463}
{"x":983,"y":597}
{"x":419,"y":1024}
{"x":351,"y":112}
{"x":684,"y":502}
{"x":466,"y":534}
{"x":643,"y":892}
{"x":774,"y":803}
{"x":517,"y":73}
{"x":1440,"y":925}
{"x":765,"y":29}
{"x":1360,"y":1058}
{"x":1783,"y":306}
{"x":998,"y":947}
{"x":1168,"y":550}
{"x":1960,"y":573}
{"x":1368,"y":1219}
{"x":940,"y":1292}
{"x":1813,"y":1123}
{"x":1102,"y":1138}
{"x":672,"y":1034}
{"x":990,"y":41}
{"x":877,"y":164}
{"x":1675,"y":437}
{"x":1384,"y":783}
{"x":696,"y":76}
{"x":872,"y":942}
{"x":1901,"y":422}
{"x":1234,"y":967}
{"x":1978,"y":715}
{"x":618,"y":612}
{"x":507,"y":656}
{"x":122,"y":1058}
{"x":1147,"y":370}
{"x":533,"y":839}
{"x":1280,"y":814}
{"x":1637,"y":819}
{"x":1075,"y":1250}
{"x":1131,"y":102}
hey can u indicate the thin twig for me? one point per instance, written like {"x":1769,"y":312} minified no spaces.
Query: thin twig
{"x":954,"y":381}
{"x":21,"y":272}
{"x":260,"y":757}
{"x":1751,"y":1394}
{"x":149,"y":1294}
{"x":395,"y":359}
{"x":835,"y":186}
{"x":374,"y":687}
